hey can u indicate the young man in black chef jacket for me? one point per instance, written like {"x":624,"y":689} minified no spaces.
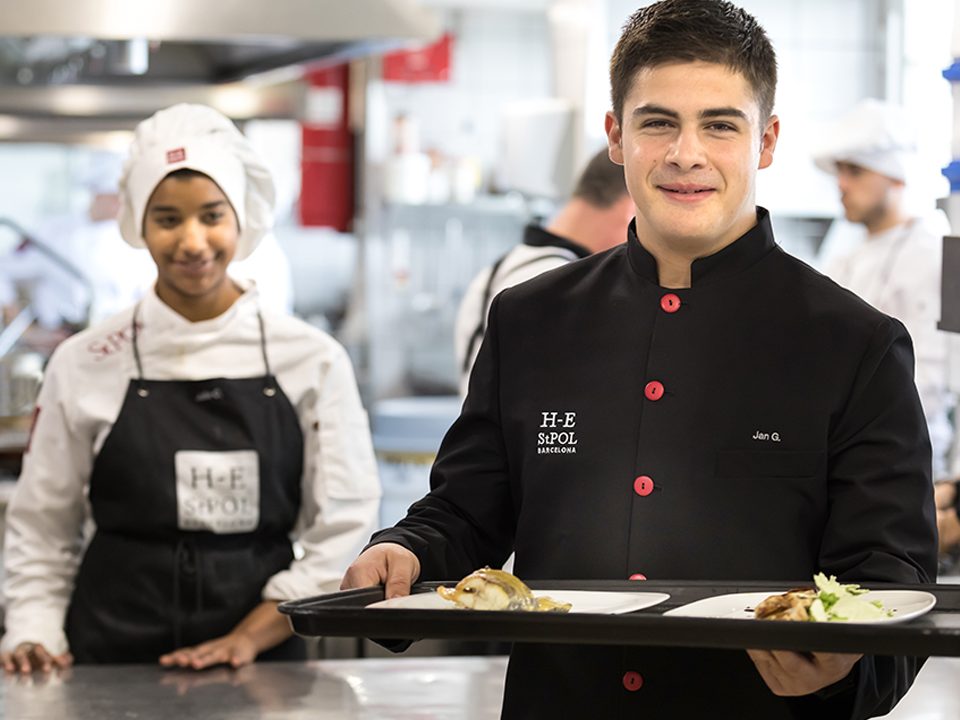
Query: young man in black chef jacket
{"x":727,"y":413}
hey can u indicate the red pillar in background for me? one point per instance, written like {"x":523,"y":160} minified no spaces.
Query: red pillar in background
{"x":327,"y":158}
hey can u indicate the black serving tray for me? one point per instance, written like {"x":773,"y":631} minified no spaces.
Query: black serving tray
{"x":344,"y":614}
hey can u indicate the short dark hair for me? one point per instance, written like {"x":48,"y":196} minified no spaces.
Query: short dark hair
{"x":713,"y":31}
{"x":601,"y":183}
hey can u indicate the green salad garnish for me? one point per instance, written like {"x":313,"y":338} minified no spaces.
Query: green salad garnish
{"x":835,"y":601}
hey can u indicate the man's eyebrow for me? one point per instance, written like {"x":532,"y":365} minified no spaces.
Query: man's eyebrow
{"x":709,"y":113}
{"x":723,"y":112}
{"x":655,"y":110}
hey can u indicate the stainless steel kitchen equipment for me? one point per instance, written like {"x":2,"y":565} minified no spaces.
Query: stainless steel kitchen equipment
{"x":103,"y":65}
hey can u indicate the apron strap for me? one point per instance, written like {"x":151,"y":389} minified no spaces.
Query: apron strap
{"x":141,"y":389}
{"x":269,"y":385}
{"x":269,"y":388}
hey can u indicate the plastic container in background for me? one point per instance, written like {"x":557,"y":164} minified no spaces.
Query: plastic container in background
{"x":406,"y":436}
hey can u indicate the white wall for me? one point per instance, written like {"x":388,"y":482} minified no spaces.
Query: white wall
{"x":499,"y":56}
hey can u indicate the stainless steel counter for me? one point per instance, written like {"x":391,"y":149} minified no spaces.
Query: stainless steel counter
{"x":454,"y":688}
{"x":396,"y":688}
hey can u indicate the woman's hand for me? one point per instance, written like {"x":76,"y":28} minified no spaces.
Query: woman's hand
{"x":261,"y":630}
{"x":235,"y":649}
{"x":28,"y":656}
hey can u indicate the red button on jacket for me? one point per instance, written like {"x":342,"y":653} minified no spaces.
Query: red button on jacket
{"x":643,"y":486}
{"x":637,"y":576}
{"x":653,"y":390}
{"x":632,"y":681}
{"x":670,"y":303}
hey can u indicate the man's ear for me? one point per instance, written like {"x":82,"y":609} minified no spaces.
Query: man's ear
{"x":614,"y":138}
{"x":768,"y":141}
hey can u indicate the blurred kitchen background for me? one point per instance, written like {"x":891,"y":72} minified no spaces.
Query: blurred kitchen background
{"x":411,"y":140}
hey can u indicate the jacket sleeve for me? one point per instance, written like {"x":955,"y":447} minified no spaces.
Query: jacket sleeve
{"x":44,"y":533}
{"x":467,"y":520}
{"x":881,"y":525}
{"x":341,"y":490}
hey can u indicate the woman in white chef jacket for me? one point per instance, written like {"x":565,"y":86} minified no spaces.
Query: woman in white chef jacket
{"x":179,"y":446}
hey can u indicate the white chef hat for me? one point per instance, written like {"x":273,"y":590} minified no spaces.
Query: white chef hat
{"x":196,"y":137}
{"x":875,"y":135}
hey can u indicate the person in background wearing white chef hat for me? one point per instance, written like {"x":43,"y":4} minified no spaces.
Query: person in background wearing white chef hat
{"x":871,"y":151}
{"x":199,"y":432}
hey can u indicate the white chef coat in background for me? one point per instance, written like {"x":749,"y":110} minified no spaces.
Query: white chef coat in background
{"x":82,"y":393}
{"x":898,"y":272}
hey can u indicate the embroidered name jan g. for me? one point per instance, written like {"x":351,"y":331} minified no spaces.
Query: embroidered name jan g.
{"x":766,"y":436}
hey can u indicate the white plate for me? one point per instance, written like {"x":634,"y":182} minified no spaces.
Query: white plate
{"x":582,"y":601}
{"x":905,"y":604}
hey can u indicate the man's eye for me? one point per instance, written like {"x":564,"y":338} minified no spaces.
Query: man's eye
{"x":721,"y":127}
{"x":656,"y":124}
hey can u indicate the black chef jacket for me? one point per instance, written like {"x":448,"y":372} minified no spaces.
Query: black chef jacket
{"x":761,"y":424}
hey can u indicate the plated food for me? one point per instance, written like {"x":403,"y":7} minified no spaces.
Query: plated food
{"x":829,"y":601}
{"x":488,"y":589}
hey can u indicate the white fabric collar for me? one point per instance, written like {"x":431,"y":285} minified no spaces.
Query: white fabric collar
{"x":160,"y":317}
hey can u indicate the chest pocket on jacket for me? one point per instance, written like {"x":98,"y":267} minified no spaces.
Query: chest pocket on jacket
{"x":771,"y":464}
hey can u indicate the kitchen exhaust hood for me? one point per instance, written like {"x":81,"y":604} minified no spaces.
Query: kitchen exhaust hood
{"x":107,"y":61}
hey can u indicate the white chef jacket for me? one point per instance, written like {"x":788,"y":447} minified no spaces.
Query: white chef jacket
{"x":84,"y":387}
{"x":898,"y":272}
{"x":519,"y":265}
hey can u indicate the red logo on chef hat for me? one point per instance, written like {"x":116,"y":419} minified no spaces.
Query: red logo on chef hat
{"x":176,"y":155}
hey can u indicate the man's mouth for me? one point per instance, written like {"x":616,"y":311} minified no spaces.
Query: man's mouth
{"x":686,"y":189}
{"x":686,"y":192}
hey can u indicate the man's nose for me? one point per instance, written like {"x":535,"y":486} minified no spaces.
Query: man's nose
{"x":686,"y":150}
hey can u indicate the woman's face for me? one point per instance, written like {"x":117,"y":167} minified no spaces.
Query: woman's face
{"x":191,"y":231}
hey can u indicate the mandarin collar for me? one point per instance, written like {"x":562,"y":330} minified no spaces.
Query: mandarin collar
{"x":153,"y":311}
{"x":536,"y":236}
{"x":730,"y":260}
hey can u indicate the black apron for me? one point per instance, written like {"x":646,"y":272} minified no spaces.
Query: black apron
{"x":194,"y":495}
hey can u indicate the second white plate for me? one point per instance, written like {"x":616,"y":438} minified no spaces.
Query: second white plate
{"x":582,"y":601}
{"x":905,"y":604}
